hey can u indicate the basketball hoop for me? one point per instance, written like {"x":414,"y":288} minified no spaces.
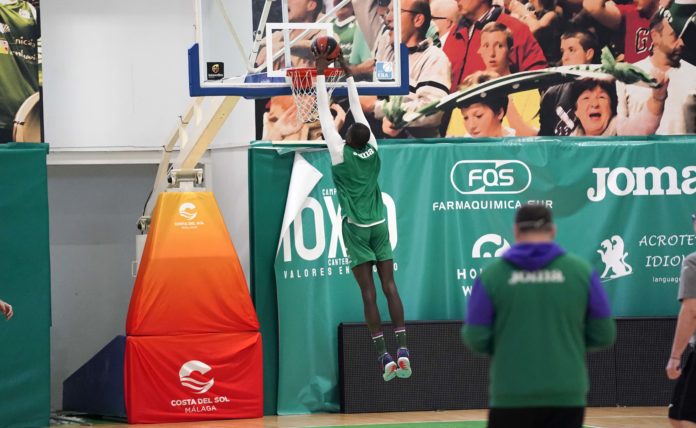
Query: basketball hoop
{"x":304,"y":90}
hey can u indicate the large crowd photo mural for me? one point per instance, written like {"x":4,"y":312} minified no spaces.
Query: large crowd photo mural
{"x":534,"y":58}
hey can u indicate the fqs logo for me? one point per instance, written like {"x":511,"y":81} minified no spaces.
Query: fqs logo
{"x":614,"y":258}
{"x":479,"y":177}
{"x":195,"y":366}
{"x":188,"y":211}
{"x":495,"y":242}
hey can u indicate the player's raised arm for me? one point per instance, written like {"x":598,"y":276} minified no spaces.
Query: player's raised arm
{"x":333,"y":139}
{"x":354,"y":101}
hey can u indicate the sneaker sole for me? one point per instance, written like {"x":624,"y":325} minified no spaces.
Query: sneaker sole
{"x":404,"y":371}
{"x":389,"y":371}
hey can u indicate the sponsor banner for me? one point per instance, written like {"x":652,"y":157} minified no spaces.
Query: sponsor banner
{"x":194,"y":377}
{"x":193,"y":349}
{"x":189,"y":279}
{"x":450,"y":207}
{"x":25,"y":283}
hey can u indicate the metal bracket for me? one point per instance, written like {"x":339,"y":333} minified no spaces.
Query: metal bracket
{"x":144,"y":223}
{"x":179,"y":176}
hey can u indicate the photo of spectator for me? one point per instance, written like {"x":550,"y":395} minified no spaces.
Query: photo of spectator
{"x":349,"y":35}
{"x":557,"y":110}
{"x":429,"y":72}
{"x":483,"y":117}
{"x":665,"y":57}
{"x":596,"y":109}
{"x":504,"y":37}
{"x":445,"y":14}
{"x":544,"y":21}
{"x":463,"y":43}
{"x":299,"y":11}
{"x":20,"y":41}
{"x":372,"y":19}
{"x":523,"y":107}
{"x":630,"y":21}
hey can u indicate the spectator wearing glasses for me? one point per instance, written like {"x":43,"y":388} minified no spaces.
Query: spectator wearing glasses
{"x":428,"y":72}
{"x":444,"y":14}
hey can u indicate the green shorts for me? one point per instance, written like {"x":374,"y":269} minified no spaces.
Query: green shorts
{"x":367,"y":244}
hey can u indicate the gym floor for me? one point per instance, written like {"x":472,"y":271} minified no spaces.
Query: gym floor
{"x":603,"y":417}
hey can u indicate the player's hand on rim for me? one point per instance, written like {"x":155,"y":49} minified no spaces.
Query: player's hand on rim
{"x":322,"y":64}
{"x":341,"y":60}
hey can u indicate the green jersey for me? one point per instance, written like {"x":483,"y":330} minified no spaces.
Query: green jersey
{"x":537,"y":311}
{"x":354,"y":171}
{"x":352,"y":42}
{"x":356,"y":183}
{"x":19,"y":59}
{"x":344,"y":31}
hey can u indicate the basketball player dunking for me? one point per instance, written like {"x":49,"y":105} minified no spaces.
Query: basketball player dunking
{"x":355,"y":167}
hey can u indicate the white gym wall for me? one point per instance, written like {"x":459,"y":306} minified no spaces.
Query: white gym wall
{"x":115,"y":81}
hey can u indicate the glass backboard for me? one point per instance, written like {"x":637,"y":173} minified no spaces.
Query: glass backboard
{"x":243,"y":47}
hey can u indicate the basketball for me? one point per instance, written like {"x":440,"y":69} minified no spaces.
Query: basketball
{"x":327,"y":47}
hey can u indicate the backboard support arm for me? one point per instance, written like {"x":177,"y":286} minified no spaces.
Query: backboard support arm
{"x":183,"y":168}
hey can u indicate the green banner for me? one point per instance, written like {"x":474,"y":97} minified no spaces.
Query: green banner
{"x":25,"y":284}
{"x":269,"y":175}
{"x":622,"y":204}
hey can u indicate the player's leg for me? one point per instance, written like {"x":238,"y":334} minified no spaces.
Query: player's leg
{"x":363,"y":275}
{"x":682,"y":412}
{"x":362,"y":257}
{"x":506,"y":417}
{"x":568,"y":417}
{"x":385,"y":269}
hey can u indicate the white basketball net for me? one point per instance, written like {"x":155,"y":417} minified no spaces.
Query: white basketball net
{"x":303,"y":82}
